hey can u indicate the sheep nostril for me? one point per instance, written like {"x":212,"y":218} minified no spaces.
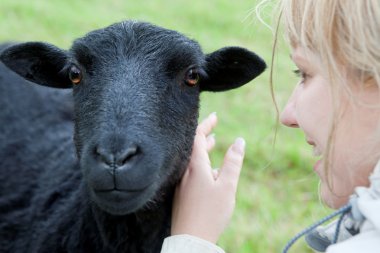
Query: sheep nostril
{"x":102,"y":155}
{"x":115,"y":158}
{"x":127,"y":155}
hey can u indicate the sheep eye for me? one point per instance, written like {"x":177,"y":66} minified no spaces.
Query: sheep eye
{"x":75,"y":75}
{"x":192,"y":77}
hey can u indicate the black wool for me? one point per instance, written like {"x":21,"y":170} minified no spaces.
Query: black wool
{"x":89,"y":157}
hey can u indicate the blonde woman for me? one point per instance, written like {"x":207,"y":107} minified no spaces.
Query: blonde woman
{"x":336,"y":46}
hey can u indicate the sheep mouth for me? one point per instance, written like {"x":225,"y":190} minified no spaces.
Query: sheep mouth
{"x":116,"y":190}
{"x":122,"y":202}
{"x":114,"y":187}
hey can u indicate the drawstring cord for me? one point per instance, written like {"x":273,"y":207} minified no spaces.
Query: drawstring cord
{"x":342,"y":211}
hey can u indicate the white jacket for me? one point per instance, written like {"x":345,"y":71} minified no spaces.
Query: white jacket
{"x":367,"y":241}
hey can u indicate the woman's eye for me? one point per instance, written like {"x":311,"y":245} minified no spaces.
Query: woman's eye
{"x":191,"y":77}
{"x":75,"y":74}
{"x":299,"y":73}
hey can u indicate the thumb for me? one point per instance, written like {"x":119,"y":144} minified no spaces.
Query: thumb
{"x":233,"y":161}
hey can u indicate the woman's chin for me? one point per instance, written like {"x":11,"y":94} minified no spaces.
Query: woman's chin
{"x":331,"y":199}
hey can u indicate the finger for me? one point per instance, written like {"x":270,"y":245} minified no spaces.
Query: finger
{"x":233,"y":161}
{"x":210,"y":142}
{"x":206,"y":126}
{"x":201,"y":144}
{"x":200,"y":148}
{"x":200,"y":162}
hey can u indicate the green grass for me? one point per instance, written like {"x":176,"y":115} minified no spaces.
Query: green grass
{"x":277,"y":193}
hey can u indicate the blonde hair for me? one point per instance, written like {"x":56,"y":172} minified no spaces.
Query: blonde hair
{"x":341,"y":32}
{"x":345,"y":36}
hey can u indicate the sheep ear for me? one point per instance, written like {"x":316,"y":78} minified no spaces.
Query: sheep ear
{"x":229,"y":68}
{"x":38,"y":62}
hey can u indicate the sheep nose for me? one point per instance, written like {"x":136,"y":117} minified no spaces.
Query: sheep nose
{"x":116,"y":158}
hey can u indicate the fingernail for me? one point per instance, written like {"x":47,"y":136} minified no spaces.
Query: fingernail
{"x":239,"y":145}
{"x":213,"y":114}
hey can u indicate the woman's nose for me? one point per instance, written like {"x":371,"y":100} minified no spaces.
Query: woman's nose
{"x":288,"y":115}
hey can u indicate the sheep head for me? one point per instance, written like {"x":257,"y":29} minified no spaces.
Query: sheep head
{"x":136,"y":92}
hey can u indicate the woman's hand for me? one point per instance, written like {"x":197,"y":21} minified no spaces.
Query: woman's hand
{"x":205,"y":199}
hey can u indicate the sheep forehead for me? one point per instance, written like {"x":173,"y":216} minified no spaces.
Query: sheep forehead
{"x":132,"y":38}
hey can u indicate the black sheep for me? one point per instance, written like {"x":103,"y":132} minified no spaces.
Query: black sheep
{"x":133,"y":112}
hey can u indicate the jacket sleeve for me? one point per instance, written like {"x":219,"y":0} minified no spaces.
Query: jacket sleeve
{"x":189,"y":244}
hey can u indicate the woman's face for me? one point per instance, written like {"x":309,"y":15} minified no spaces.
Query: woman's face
{"x":310,"y":108}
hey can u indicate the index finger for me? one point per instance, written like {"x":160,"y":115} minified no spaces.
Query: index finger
{"x":206,"y":126}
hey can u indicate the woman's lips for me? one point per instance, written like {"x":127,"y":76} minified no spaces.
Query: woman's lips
{"x":317,"y":153}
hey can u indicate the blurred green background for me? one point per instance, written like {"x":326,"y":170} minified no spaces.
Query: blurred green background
{"x":278,"y":191}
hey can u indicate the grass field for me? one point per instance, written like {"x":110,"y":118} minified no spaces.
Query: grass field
{"x":277,"y":194}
